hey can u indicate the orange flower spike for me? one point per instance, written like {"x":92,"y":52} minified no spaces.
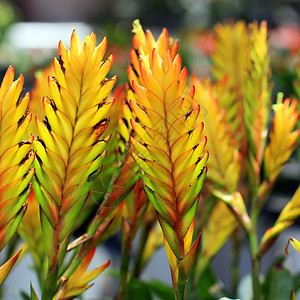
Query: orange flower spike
{"x":169,"y":151}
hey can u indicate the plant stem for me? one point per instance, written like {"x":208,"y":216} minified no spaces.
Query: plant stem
{"x":236,"y":241}
{"x":179,"y":292}
{"x":255,"y":261}
{"x":124,"y":269}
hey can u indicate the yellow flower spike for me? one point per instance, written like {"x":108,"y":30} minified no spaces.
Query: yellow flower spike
{"x":70,"y":149}
{"x":296,"y":244}
{"x":231,"y":62}
{"x":114,"y":148}
{"x":283,"y":137}
{"x":173,"y":263}
{"x":224,"y":164}
{"x":236,"y":204}
{"x":257,"y":101}
{"x":167,"y":150}
{"x":231,"y":54}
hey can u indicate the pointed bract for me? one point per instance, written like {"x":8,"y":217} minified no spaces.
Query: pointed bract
{"x":6,"y":267}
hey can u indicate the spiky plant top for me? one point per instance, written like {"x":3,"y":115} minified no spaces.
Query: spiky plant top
{"x":143,"y":44}
{"x":170,"y":152}
{"x":70,"y":146}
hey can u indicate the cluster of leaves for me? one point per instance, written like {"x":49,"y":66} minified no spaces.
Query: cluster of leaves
{"x":136,"y":158}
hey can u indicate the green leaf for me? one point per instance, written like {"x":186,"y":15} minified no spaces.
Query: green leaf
{"x":49,"y":236}
{"x":161,"y":290}
{"x":296,"y":282}
{"x":12,"y":226}
{"x":33,"y":293}
{"x":50,"y":284}
{"x":24,"y":296}
{"x":137,"y":290}
{"x":280,"y":284}
{"x":62,"y":253}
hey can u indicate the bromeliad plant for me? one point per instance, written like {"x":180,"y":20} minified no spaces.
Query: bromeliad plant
{"x":135,"y":159}
{"x":169,"y":149}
